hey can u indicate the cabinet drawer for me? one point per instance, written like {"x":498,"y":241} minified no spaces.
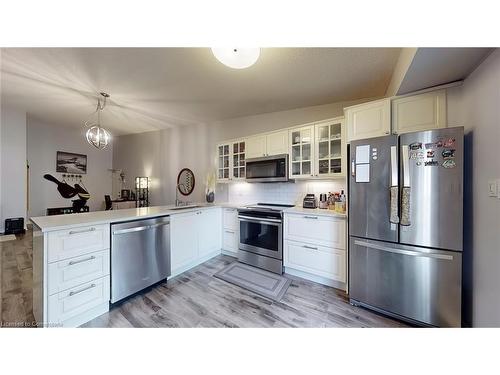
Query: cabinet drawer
{"x":321,"y":230}
{"x":78,"y":300}
{"x":74,"y":242}
{"x":317,"y":260}
{"x":230,"y":240}
{"x":230,"y":219}
{"x":69,"y":273}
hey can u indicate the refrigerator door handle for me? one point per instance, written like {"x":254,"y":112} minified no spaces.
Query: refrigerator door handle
{"x":394,"y":188}
{"x":404,"y":252}
{"x":406,"y":192}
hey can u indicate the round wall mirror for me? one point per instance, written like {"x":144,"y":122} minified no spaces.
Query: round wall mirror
{"x":185,"y":181}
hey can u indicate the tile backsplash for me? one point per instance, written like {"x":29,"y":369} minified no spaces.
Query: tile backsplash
{"x":280,"y":192}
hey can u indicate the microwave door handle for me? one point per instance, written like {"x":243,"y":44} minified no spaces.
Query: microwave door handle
{"x":406,"y":191}
{"x":394,"y":187}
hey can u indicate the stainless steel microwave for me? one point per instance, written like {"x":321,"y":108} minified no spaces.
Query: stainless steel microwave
{"x":267,"y":169}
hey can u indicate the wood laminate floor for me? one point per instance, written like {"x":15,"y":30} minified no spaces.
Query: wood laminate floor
{"x":192,"y":299}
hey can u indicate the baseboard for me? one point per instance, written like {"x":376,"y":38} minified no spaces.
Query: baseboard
{"x":229,"y":253}
{"x":87,"y":316}
{"x":317,"y":279}
{"x":197,"y":262}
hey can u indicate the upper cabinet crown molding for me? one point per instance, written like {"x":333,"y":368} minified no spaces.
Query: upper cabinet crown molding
{"x":419,"y":112}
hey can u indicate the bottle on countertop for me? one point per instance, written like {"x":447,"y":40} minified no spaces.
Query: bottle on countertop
{"x":342,"y":203}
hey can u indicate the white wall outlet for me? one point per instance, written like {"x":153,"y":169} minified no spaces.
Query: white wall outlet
{"x":493,"y":188}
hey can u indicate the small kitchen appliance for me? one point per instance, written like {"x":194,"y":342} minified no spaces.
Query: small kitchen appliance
{"x":310,"y":201}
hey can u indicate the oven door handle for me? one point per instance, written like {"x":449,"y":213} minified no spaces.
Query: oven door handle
{"x":259,"y":220}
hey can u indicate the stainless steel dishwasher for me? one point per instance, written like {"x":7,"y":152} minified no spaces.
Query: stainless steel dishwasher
{"x":140,"y":255}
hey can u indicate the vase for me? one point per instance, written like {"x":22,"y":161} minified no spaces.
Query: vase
{"x":210,"y":196}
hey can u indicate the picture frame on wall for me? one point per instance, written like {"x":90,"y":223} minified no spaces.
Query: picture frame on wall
{"x":69,"y":162}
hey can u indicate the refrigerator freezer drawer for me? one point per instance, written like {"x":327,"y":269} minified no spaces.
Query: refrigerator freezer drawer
{"x":420,"y":284}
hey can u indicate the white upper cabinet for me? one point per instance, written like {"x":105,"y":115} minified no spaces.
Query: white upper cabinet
{"x":419,"y":112}
{"x":277,"y":143}
{"x":231,"y":157}
{"x":369,"y":120}
{"x":223,"y":160}
{"x":302,"y":152}
{"x":330,"y":148}
{"x":267,"y":144}
{"x":256,"y":146}
{"x":238,"y":168}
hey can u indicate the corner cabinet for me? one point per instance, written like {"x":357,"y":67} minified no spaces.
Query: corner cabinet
{"x":301,"y":152}
{"x":419,"y":112}
{"x":369,"y":120}
{"x":330,"y":149}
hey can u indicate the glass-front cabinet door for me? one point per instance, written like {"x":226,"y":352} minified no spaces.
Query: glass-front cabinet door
{"x":223,"y":160}
{"x":330,"y":148}
{"x":301,"y":152}
{"x":238,"y":166}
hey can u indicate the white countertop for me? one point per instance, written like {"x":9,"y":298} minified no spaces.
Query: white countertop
{"x":59,"y":222}
{"x":314,"y":211}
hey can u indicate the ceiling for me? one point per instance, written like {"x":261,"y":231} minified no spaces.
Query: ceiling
{"x":154,"y":88}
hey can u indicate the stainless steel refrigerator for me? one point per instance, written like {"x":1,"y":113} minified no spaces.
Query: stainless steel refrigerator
{"x":406,"y":225}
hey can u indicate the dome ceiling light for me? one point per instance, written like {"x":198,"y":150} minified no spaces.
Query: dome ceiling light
{"x":96,"y":135}
{"x":237,"y":58}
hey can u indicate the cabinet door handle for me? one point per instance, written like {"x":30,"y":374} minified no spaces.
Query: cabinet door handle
{"x":229,"y":231}
{"x":82,"y":231}
{"x":311,"y":217}
{"x":310,"y":247}
{"x":82,"y":290}
{"x":73,"y":262}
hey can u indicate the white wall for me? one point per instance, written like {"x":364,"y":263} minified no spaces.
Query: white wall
{"x":12,"y":164}
{"x":476,"y":106}
{"x":43,"y":142}
{"x":162,"y":154}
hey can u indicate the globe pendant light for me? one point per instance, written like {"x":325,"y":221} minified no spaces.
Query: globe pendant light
{"x":237,"y":58}
{"x":96,"y":135}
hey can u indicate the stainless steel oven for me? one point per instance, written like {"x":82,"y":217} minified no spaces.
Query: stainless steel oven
{"x":267,"y":169}
{"x":261,"y":236}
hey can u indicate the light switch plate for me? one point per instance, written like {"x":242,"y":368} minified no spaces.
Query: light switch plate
{"x":492,"y":188}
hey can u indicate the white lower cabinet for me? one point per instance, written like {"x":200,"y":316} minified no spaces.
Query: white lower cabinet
{"x":70,"y":273}
{"x":230,"y":241}
{"x":315,"y":248}
{"x":209,"y":238}
{"x":315,"y":259}
{"x":75,"y":274}
{"x":323,"y":230}
{"x":194,"y":238}
{"x":230,"y":231}
{"x":80,"y":304}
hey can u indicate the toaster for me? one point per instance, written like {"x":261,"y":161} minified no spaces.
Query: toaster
{"x":310,"y":201}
